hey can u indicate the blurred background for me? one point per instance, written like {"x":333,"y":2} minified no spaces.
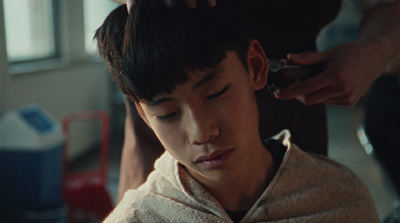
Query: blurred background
{"x":50,"y":73}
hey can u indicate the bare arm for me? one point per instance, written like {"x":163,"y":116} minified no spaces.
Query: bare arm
{"x":382,"y":24}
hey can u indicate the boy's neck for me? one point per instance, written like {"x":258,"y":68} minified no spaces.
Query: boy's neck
{"x":244,"y":192}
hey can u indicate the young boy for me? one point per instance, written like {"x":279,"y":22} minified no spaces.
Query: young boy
{"x":192,"y":75}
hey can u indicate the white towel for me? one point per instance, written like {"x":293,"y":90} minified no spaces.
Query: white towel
{"x":306,"y":188}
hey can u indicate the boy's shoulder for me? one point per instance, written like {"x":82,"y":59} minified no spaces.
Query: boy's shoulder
{"x":164,"y":196}
{"x":297,"y":160}
{"x":318,"y":189}
{"x":145,"y":206}
{"x":125,"y":210}
{"x":302,"y":169}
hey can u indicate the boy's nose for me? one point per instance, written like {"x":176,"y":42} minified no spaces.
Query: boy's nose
{"x":201,"y":127}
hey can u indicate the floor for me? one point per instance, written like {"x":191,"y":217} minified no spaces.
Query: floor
{"x":344,"y":147}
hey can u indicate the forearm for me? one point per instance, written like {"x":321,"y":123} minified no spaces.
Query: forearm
{"x":141,"y":148}
{"x":381,"y":25}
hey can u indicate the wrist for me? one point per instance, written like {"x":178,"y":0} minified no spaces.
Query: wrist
{"x":380,"y":47}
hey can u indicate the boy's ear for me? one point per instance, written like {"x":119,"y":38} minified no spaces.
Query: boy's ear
{"x":258,"y":65}
{"x":141,"y":113}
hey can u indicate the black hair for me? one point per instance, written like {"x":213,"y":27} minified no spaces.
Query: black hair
{"x":149,"y":50}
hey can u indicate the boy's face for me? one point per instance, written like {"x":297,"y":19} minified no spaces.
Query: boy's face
{"x":210,"y":123}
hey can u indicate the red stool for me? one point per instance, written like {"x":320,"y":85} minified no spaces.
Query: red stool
{"x":85,"y":193}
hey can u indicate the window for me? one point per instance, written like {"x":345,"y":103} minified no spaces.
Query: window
{"x":37,"y":30}
{"x":30,"y":29}
{"x":95,"y":11}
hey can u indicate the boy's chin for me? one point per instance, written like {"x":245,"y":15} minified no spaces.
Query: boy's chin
{"x":215,"y":176}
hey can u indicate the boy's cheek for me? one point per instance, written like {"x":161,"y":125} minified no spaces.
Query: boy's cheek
{"x":166,"y":133}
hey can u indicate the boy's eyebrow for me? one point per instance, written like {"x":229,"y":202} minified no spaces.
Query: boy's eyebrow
{"x":157,"y":101}
{"x":212,"y":73}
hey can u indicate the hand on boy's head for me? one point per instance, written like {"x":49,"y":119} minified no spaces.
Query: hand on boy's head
{"x":191,"y":4}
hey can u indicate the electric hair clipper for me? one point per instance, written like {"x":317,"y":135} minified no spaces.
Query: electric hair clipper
{"x":284,"y":75}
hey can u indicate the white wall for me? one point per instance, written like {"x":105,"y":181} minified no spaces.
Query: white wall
{"x":3,"y":59}
{"x":75,"y":84}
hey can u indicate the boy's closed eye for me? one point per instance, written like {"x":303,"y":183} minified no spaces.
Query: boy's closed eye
{"x":171,"y":115}
{"x":166,"y":117}
{"x":220,"y":93}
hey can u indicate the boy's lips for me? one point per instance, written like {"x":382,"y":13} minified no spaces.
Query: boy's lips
{"x":215,"y":159}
